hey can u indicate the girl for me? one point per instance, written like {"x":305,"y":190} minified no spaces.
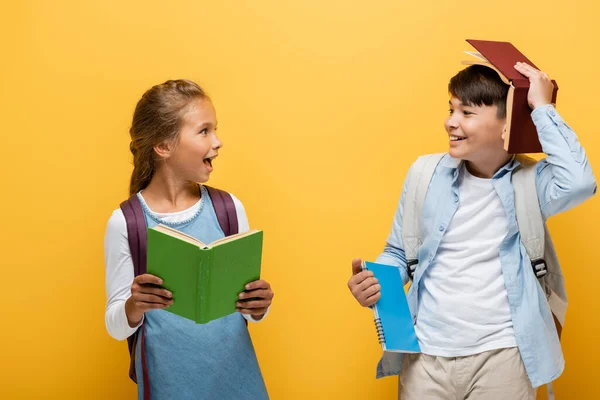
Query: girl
{"x":174,"y":144}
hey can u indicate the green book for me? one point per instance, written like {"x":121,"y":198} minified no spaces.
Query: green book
{"x":205,"y":279}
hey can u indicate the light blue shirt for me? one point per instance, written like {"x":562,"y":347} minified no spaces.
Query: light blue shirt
{"x":564,"y":180}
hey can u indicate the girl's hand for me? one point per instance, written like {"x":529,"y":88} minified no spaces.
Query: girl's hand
{"x":256,"y":299}
{"x":146,"y":294}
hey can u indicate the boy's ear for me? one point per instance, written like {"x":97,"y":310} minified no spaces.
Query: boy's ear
{"x":504,"y":132}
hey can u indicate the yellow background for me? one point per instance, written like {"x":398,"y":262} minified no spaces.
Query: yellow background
{"x":322,"y":106}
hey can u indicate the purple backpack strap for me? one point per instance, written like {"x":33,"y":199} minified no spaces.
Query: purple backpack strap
{"x":136,"y":233}
{"x":225,"y":210}
{"x":137,"y":236}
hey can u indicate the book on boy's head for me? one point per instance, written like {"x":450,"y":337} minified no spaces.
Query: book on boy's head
{"x":393,"y":321}
{"x":205,"y":279}
{"x":521,"y":134}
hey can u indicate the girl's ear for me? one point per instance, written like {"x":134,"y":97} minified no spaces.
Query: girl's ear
{"x":164,"y":149}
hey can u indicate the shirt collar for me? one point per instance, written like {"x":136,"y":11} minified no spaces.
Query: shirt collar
{"x":454,"y":163}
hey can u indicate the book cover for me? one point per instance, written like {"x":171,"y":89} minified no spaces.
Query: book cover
{"x":205,"y":279}
{"x":393,"y":320}
{"x":521,"y":134}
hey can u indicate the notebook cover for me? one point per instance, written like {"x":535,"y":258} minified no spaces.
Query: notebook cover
{"x":392,"y":310}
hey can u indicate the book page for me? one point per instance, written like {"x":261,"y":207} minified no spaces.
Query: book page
{"x":179,"y":235}
{"x":486,"y":63}
{"x":230,"y":238}
{"x":477,"y":55}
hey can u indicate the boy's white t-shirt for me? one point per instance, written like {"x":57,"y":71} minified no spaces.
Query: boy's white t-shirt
{"x":119,"y":265}
{"x":463,"y":305}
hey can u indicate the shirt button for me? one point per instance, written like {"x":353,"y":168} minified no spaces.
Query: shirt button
{"x":455,"y":198}
{"x":441,"y":228}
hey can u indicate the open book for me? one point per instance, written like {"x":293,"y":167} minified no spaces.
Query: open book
{"x":205,"y":279}
{"x":393,"y":321}
{"x":521,"y":134}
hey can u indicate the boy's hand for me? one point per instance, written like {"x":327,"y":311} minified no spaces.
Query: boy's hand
{"x":363,"y":285}
{"x":540,"y":85}
{"x":146,"y":295}
{"x":256,"y":299}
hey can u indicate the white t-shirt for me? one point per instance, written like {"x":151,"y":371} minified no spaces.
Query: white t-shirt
{"x":463,"y":307}
{"x":119,"y":265}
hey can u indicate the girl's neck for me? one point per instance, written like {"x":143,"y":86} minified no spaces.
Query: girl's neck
{"x":165,"y":193}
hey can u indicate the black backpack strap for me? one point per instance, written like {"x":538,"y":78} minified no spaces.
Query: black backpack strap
{"x":137,"y":236}
{"x":225,"y":210}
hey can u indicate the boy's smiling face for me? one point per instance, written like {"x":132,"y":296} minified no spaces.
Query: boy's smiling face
{"x":475,"y":132}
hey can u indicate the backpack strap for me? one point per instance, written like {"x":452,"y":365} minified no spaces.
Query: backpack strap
{"x":225,"y":210}
{"x":137,"y":235}
{"x":537,"y":241}
{"x":538,"y":244}
{"x":529,"y":215}
{"x":420,"y":175}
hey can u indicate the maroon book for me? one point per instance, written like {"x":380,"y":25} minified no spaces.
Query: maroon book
{"x":521,"y":135}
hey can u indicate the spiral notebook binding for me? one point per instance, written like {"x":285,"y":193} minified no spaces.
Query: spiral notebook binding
{"x":379,"y":328}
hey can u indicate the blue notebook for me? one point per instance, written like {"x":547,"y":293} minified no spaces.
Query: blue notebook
{"x":393,"y":321}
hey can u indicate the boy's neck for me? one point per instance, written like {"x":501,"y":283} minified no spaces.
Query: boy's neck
{"x":166,"y":193}
{"x":487,"y":168}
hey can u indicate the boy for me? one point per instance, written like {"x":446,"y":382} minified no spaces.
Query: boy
{"x":483,"y":324}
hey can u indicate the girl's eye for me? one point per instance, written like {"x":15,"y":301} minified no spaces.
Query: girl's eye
{"x":467,"y":113}
{"x":451,"y":111}
{"x":204,"y":131}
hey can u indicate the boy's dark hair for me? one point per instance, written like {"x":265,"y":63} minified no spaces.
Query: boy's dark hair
{"x":478,"y":85}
